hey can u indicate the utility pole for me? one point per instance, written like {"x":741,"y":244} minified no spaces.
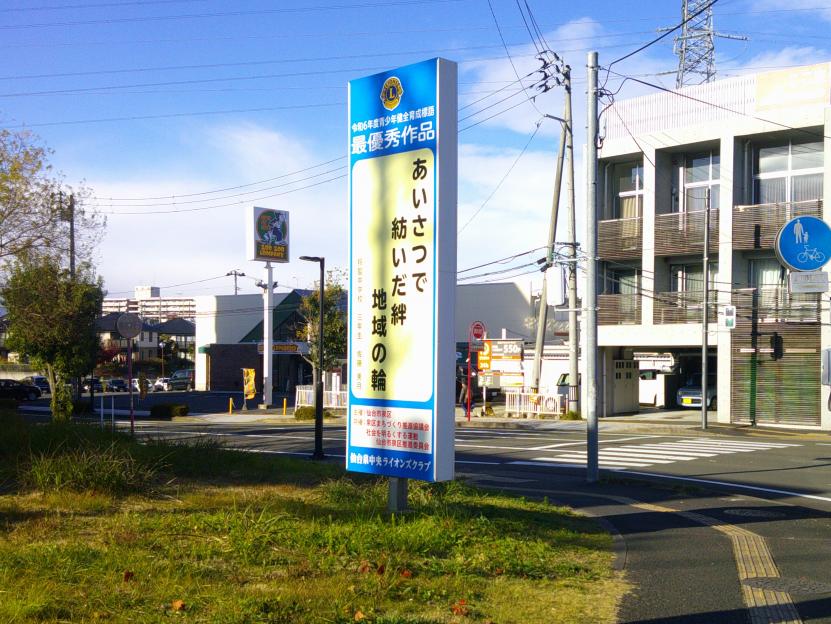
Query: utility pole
{"x":590,"y":350}
{"x":573,"y":342}
{"x":72,"y":235}
{"x":542,"y":313}
{"x":236,"y":274}
{"x":704,"y":308}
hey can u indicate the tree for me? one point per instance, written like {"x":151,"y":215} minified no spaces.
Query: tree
{"x":334,"y":322}
{"x":52,"y":320}
{"x":35,"y":206}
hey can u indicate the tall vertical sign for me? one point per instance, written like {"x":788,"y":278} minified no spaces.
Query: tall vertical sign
{"x":402,"y":271}
{"x":267,"y":239}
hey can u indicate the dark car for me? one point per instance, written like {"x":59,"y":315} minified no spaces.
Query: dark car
{"x":94,"y":383}
{"x":117,"y":385}
{"x":182,"y":380}
{"x":11,"y":389}
{"x":39,"y":381}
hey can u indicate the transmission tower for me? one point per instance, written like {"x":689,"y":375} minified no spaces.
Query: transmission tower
{"x":695,"y":46}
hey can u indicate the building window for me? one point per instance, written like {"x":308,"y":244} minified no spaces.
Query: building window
{"x":627,"y":190}
{"x":690,"y":277}
{"x":700,"y":172}
{"x":788,"y":172}
{"x":621,"y":281}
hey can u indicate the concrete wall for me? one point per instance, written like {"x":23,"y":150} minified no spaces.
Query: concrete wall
{"x":224,"y":319}
{"x":497,"y":306}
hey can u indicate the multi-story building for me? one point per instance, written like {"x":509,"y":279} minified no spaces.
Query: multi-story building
{"x":757,"y":145}
{"x":148,"y":303}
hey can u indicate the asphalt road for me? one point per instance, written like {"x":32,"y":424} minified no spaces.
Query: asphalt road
{"x":755,"y":548}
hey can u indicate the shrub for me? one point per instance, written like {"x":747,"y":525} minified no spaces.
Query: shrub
{"x":168,"y":410}
{"x":81,"y":407}
{"x":307,"y":412}
{"x":571,"y":416}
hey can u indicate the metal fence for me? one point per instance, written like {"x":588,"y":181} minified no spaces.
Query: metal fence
{"x":305,"y":395}
{"x":533,"y":404}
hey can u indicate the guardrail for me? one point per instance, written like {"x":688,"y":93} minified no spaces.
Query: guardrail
{"x":533,"y":404}
{"x":305,"y":396}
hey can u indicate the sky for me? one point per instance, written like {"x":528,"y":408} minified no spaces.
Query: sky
{"x":178,"y":115}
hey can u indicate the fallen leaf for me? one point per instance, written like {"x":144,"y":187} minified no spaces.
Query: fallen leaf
{"x":381,"y":569}
{"x":499,"y":571}
{"x":359,"y":616}
{"x":406,"y":574}
{"x":178,"y":605}
{"x":460,"y":608}
{"x":365,"y":567}
{"x":128,"y":576}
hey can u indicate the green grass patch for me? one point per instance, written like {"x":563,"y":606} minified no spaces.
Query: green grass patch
{"x":231,"y":537}
{"x":307,"y":412}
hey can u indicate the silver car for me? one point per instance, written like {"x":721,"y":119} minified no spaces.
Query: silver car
{"x":689,"y":395}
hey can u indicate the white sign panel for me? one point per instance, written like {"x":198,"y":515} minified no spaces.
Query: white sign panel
{"x":402,"y":183}
{"x":808,"y":282}
{"x":267,"y":234}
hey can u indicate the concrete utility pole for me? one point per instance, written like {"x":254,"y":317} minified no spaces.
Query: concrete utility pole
{"x":542,"y":313}
{"x":236,"y":274}
{"x":573,"y":341}
{"x":590,"y":350}
{"x":704,"y":309}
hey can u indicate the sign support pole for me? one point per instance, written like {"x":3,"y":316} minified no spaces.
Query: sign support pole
{"x":469,"y":366}
{"x":130,"y":376}
{"x":704,"y":309}
{"x":268,"y":337}
{"x":397,"y":502}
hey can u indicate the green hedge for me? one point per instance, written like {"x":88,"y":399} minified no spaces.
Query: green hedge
{"x":81,"y":407}
{"x":168,"y":410}
{"x":307,"y":412}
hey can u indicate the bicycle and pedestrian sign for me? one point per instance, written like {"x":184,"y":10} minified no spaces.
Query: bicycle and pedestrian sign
{"x":804,"y":243}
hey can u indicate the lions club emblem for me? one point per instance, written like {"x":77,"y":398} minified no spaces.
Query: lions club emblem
{"x":391,"y":93}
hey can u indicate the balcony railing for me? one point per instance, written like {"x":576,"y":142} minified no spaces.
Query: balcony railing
{"x":756,"y":227}
{"x":774,"y":304}
{"x":619,"y":239}
{"x":683,"y":232}
{"x":683,"y":307}
{"x":619,"y":309}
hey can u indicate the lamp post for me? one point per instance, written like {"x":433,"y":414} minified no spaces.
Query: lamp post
{"x":318,"y":454}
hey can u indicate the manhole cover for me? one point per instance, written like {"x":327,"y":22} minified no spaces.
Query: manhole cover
{"x":788,"y":585}
{"x":754,"y":513}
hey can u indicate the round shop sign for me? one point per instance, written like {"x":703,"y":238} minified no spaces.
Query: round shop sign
{"x":477,"y":330}
{"x":804,"y":244}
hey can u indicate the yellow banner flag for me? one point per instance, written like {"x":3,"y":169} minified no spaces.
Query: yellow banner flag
{"x":248,"y":383}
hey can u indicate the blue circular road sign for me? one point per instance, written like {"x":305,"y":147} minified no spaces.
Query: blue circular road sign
{"x":804,"y":244}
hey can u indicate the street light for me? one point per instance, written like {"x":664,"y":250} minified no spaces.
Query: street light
{"x":318,"y":454}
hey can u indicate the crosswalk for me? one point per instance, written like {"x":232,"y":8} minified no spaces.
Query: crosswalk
{"x":622,"y":456}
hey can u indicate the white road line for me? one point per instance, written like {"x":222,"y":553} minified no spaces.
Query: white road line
{"x":741,"y":443}
{"x":494,"y":447}
{"x":481,"y":463}
{"x":647,"y":461}
{"x":667,"y":449}
{"x":582,"y":461}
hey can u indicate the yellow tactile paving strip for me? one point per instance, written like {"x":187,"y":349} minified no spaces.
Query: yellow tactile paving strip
{"x":753,"y":560}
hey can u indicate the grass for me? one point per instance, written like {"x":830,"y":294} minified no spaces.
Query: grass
{"x":220,"y":536}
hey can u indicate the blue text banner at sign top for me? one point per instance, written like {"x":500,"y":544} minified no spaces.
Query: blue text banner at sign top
{"x":804,"y":243}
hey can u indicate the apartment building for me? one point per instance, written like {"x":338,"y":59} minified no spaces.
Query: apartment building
{"x":757,"y":146}
{"x":148,"y":303}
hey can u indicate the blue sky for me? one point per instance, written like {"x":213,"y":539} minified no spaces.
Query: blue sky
{"x":159,"y":105}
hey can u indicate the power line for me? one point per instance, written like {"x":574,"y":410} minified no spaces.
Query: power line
{"x":161,"y":18}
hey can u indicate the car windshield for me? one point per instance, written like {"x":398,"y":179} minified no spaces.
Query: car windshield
{"x":695,"y":380}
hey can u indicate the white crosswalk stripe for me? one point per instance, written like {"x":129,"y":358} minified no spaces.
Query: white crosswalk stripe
{"x":643,"y":455}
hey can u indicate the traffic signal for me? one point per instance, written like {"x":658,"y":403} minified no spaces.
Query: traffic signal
{"x":776,"y":346}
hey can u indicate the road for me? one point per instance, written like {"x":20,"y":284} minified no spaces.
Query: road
{"x":756,"y":550}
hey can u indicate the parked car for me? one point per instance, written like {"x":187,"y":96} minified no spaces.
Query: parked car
{"x":161,"y":384}
{"x":94,"y":383}
{"x":689,"y":395}
{"x":116,"y":385}
{"x":37,"y":380}
{"x":135,"y":383}
{"x":13,"y":389}
{"x":182,"y":379}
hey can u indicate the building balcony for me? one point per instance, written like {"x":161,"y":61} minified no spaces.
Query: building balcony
{"x":683,"y":307}
{"x":775,"y":305}
{"x":619,"y":309}
{"x":680,"y":233}
{"x":620,"y":239}
{"x":756,"y":227}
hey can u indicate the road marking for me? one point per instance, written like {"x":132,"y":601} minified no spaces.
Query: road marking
{"x":581,"y":461}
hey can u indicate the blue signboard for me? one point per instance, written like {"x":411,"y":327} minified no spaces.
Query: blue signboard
{"x":804,"y":243}
{"x":402,"y":267}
